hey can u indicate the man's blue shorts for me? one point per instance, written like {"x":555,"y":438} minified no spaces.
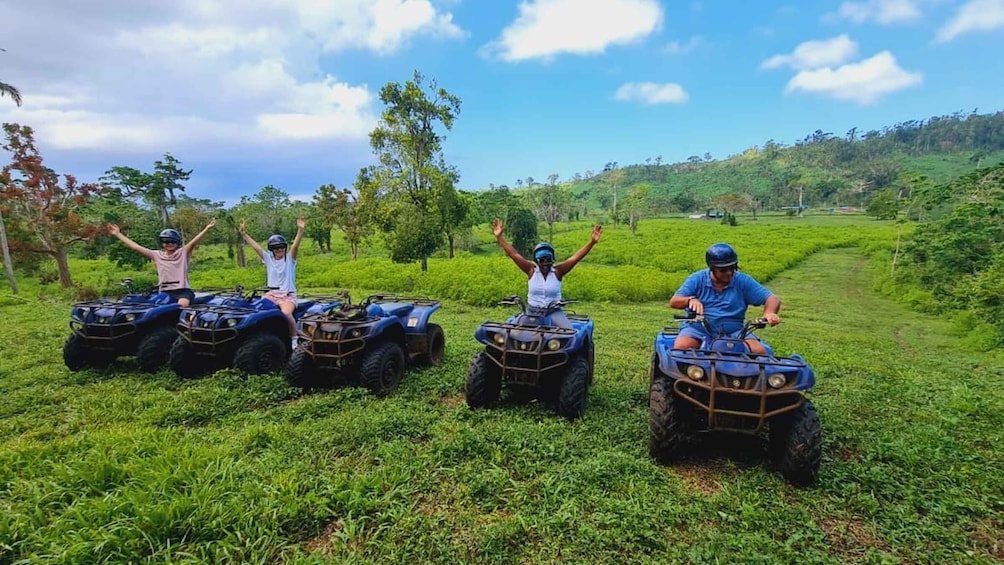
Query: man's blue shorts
{"x":698,"y":332}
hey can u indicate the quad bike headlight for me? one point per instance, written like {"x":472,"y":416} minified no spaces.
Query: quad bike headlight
{"x":308,"y":330}
{"x":189,"y":316}
{"x":355,"y":332}
{"x":777,"y":380}
{"x":129,"y":317}
{"x":553,"y":344}
{"x":231,"y":322}
{"x":498,"y":338}
{"x":695,"y":372}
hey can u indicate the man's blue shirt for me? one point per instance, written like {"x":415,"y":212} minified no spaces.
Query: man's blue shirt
{"x":726,"y":310}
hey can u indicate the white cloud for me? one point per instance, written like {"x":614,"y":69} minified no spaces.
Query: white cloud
{"x":152,"y":76}
{"x":976,"y":15}
{"x":863,"y":82}
{"x":652,"y":93}
{"x":382,"y":25}
{"x":879,"y":11}
{"x":546,"y":28}
{"x":676,"y":48}
{"x":816,"y":54}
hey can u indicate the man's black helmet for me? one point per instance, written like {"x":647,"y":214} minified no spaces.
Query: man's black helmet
{"x":170,"y":235}
{"x":721,"y":255}
{"x":542,"y":250}
{"x":276,"y":242}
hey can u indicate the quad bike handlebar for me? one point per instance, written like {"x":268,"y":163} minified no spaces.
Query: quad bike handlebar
{"x":130,"y":286}
{"x":748,"y":326}
{"x":552,"y":307}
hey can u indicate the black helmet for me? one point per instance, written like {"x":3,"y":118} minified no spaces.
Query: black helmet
{"x":542,"y":250}
{"x":276,"y":241}
{"x":170,"y":236}
{"x":721,"y":255}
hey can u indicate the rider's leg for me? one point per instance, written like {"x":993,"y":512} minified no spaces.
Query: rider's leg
{"x":287,"y":308}
{"x":686,"y":342}
{"x":756,"y":347}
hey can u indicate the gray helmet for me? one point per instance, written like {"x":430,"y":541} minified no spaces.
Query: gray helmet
{"x":721,"y":255}
{"x":276,"y":242}
{"x":542,"y":250}
{"x":170,"y":235}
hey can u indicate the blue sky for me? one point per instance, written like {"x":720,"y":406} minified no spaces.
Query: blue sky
{"x":257,"y":92}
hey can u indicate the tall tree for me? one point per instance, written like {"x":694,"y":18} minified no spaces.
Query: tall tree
{"x":636,"y":205}
{"x":411,"y":170}
{"x":549,"y":202}
{"x":48,"y":206}
{"x":159,"y":189}
{"x":342,"y":209}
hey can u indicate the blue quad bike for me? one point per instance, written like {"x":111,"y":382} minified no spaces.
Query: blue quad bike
{"x":369,"y":344}
{"x":241,"y":329}
{"x":722,"y":386}
{"x":141,"y":323}
{"x":528,"y":353}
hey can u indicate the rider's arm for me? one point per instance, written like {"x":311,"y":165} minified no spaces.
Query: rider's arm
{"x":521,"y":262}
{"x":250,"y":241}
{"x":295,"y":248}
{"x":686,"y":296}
{"x":198,"y":237}
{"x":114,"y":230}
{"x":562,"y":268}
{"x":771,"y":308}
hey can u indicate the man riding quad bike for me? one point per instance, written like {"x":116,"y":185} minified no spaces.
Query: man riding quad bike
{"x":369,"y":343}
{"x":530,"y":351}
{"x":141,"y":323}
{"x":721,"y":385}
{"x":247,"y":331}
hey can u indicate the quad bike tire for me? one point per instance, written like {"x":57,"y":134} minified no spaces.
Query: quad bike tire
{"x":261,"y":354}
{"x":78,"y":355}
{"x":155,"y":349}
{"x":573,"y":394}
{"x":183,"y":359}
{"x":436,"y":344}
{"x":382,"y":368}
{"x":484,"y":381}
{"x":301,"y":372}
{"x":796,"y":444}
{"x":667,"y":430}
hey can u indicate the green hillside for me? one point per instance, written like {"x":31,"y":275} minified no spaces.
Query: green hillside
{"x":827,"y":170}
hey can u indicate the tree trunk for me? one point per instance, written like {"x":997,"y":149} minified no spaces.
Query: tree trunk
{"x":425,"y":264}
{"x":64,"y":268}
{"x":450,"y":239}
{"x":7,"y":264}
{"x":355,"y":250}
{"x":242,"y":260}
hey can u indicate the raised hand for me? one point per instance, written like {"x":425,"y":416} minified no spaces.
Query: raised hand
{"x":497,"y":227}
{"x":212,"y":223}
{"x":240,"y":228}
{"x":301,"y":223}
{"x":113,"y":229}
{"x":597,"y":232}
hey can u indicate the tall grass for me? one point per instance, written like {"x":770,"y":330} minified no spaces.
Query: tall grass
{"x":114,"y":466}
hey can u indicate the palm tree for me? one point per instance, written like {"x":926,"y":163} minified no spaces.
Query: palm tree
{"x":9,"y":90}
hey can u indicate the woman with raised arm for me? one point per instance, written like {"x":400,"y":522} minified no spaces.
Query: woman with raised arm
{"x":280,"y":270}
{"x":171,"y":260}
{"x":543,"y":275}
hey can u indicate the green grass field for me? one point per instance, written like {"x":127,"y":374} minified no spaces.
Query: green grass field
{"x":120,"y":467}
